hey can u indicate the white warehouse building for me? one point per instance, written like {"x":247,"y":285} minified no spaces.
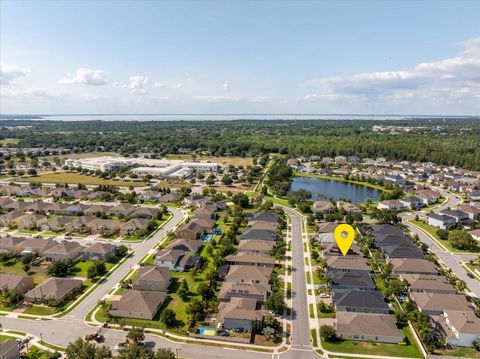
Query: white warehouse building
{"x":147,"y":166}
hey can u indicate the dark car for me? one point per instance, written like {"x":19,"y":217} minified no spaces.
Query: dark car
{"x":238,"y":330}
{"x":222,"y":333}
{"x":470,"y":275}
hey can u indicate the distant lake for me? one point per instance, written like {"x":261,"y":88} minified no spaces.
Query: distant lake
{"x":336,"y":189}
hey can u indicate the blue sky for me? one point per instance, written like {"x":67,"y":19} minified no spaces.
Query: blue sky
{"x":240,"y":57}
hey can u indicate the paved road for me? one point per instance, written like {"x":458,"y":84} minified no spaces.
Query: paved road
{"x":141,"y":249}
{"x":451,"y":260}
{"x":66,"y":329}
{"x":301,"y":347}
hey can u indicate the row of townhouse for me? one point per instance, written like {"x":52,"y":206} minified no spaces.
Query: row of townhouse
{"x":246,"y":275}
{"x":325,"y":206}
{"x":464,"y":214}
{"x":450,"y":313}
{"x":53,"y":250}
{"x":362,"y":312}
{"x":77,"y":218}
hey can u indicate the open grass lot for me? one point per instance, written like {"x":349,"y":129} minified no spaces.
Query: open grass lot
{"x":433,"y":232}
{"x":459,"y":353}
{"x":223,"y":161}
{"x":234,"y":189}
{"x":9,"y":141}
{"x":76,"y":178}
{"x":14,"y":267}
{"x":392,"y":350}
{"x":40,"y":310}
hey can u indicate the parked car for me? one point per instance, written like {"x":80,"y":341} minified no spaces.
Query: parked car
{"x":238,"y":330}
{"x":470,"y":275}
{"x":222,"y":333}
{"x":324,"y":295}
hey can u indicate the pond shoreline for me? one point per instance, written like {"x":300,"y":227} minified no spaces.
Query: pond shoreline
{"x":335,"y":187}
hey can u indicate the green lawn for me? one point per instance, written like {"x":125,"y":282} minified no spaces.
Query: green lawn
{"x":77,"y":178}
{"x":460,"y":353}
{"x":14,"y":267}
{"x":81,"y":268}
{"x":394,"y":350}
{"x":9,"y":141}
{"x":6,"y":337}
{"x":433,"y":232}
{"x":40,"y":310}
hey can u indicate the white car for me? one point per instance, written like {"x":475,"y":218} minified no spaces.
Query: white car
{"x":324,"y":295}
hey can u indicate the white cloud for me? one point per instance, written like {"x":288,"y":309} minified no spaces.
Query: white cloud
{"x":451,"y":79}
{"x":226,"y":86}
{"x":216,"y":98}
{"x":85,"y":76}
{"x":267,"y":99}
{"x":137,"y":82}
{"x":160,"y":85}
{"x":177,"y":86}
{"x":10,"y":73}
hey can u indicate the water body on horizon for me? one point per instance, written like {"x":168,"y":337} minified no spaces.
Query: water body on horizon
{"x":215,"y":117}
{"x":320,"y":187}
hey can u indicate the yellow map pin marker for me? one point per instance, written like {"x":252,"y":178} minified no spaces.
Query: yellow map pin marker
{"x":344,"y":235}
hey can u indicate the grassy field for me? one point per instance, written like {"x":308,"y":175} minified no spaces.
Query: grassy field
{"x":459,"y":352}
{"x":392,"y":350}
{"x":80,"y":269}
{"x":433,"y":232}
{"x":40,"y":310}
{"x":76,"y":178}
{"x":9,"y":141}
{"x":223,"y":161}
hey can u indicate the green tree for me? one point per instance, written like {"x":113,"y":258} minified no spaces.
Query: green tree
{"x":327,"y":333}
{"x":136,"y":334}
{"x":276,"y":303}
{"x":184,"y":290}
{"x":168,"y":317}
{"x":80,"y":349}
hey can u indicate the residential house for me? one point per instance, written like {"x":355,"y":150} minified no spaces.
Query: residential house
{"x":461,"y":327}
{"x":99,"y":251}
{"x":63,"y":250}
{"x":95,"y":209}
{"x":57,"y":289}
{"x":16,"y":282}
{"x":348,"y":207}
{"x":37,"y":246}
{"x":428,"y":196}
{"x":459,"y":216}
{"x":79,"y":224}
{"x":56,"y":224}
{"x":441,"y":221}
{"x":428,"y":283}
{"x":323,"y":207}
{"x":472,"y":211}
{"x":395,"y":179}
{"x":244,"y":313}
{"x":31,"y":221}
{"x":11,"y":219}
{"x":347,"y":264}
{"x":152,"y":278}
{"x":475,"y":235}
{"x":122,"y":210}
{"x":145,"y":212}
{"x":228,"y":290}
{"x":251,"y":259}
{"x":9,"y":349}
{"x":413,"y":266}
{"x":135,"y":227}
{"x":259,"y":234}
{"x":193,"y":229}
{"x":413,"y":203}
{"x":436,"y":303}
{"x":392,"y":204}
{"x":186,"y":245}
{"x":353,"y":280}
{"x":105,"y":227}
{"x":11,"y":245}
{"x":402,"y":251}
{"x":360,"y":301}
{"x":255,"y":246}
{"x":248,"y":274}
{"x":371,"y":327}
{"x":138,"y":304}
{"x":333,"y":250}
